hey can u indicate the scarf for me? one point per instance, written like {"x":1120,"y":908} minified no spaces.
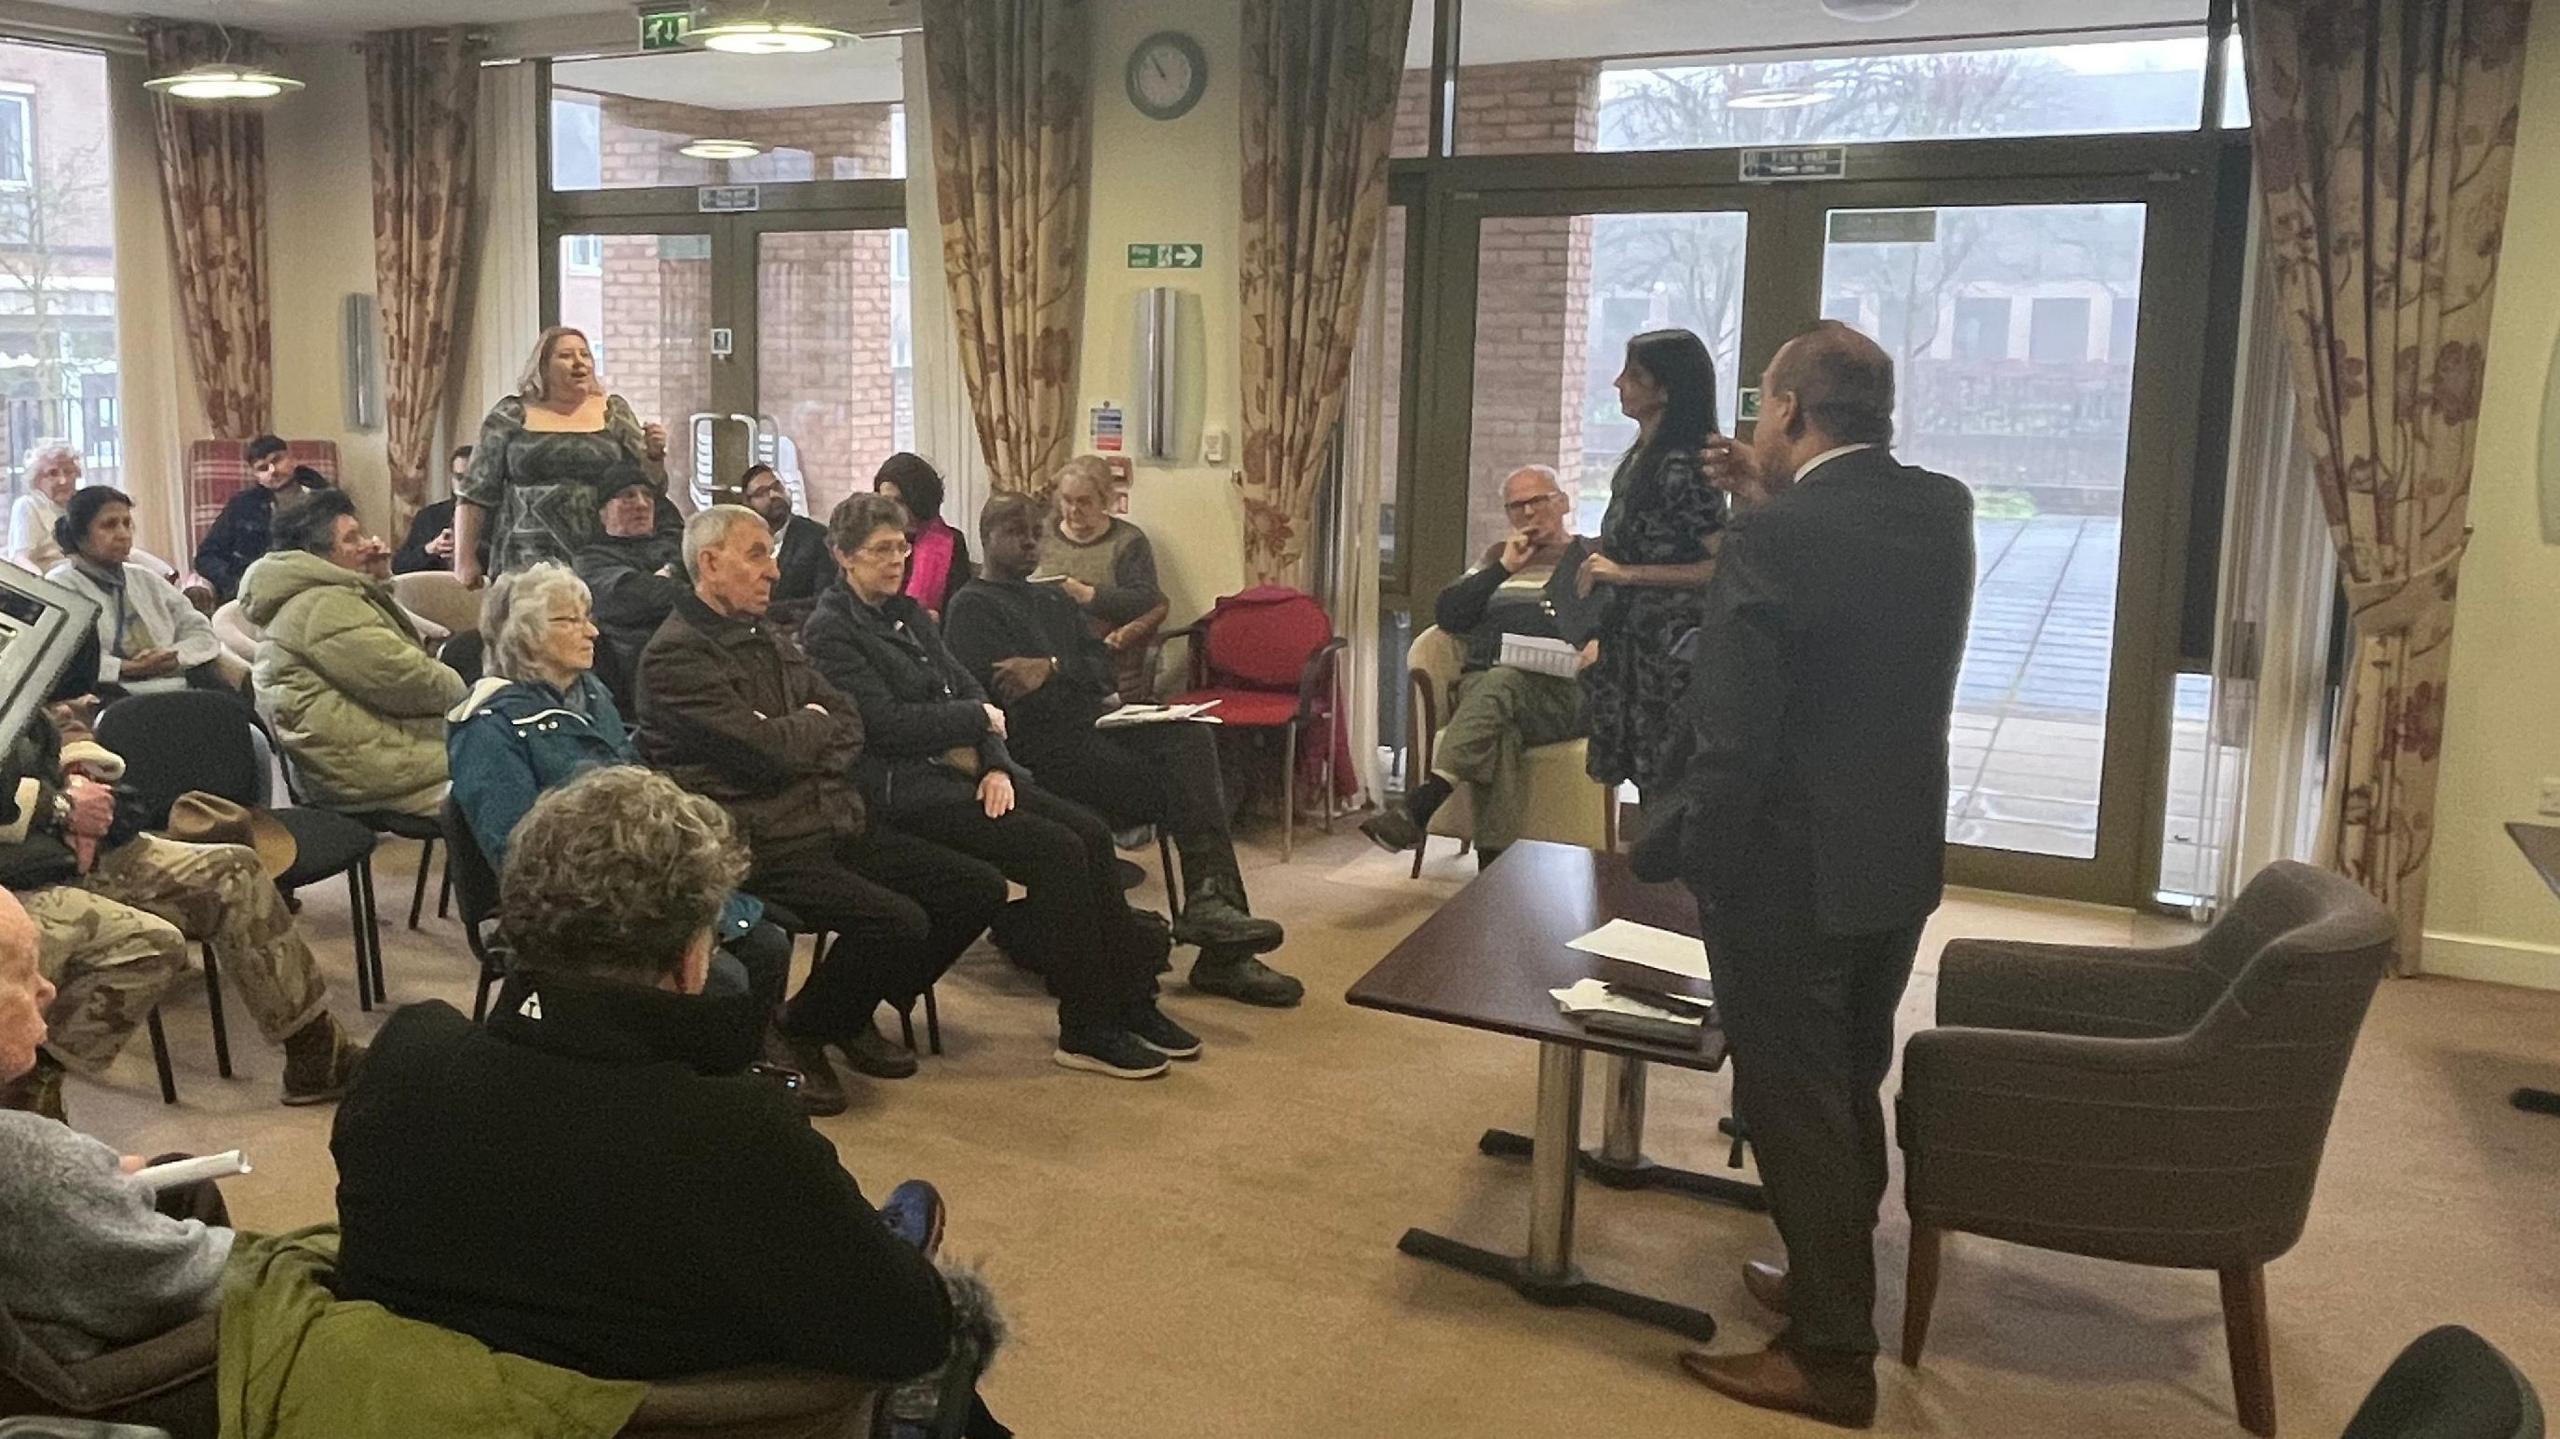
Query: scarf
{"x":929,"y":568}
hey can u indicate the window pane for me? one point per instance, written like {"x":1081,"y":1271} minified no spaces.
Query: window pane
{"x":644,"y":304}
{"x":58,"y":375}
{"x":2041,"y":440}
{"x":835,"y":368}
{"x":1557,"y":298}
{"x":1673,"y":74}
{"x":617,"y":124}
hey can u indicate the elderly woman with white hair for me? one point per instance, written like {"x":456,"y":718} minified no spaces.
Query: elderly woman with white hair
{"x":53,"y":472}
{"x":535,"y":479}
{"x":540,"y":718}
{"x":1108,"y":567}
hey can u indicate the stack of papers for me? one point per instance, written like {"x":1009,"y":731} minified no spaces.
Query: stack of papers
{"x":1541,"y":655}
{"x":1128,"y":715}
{"x":1591,"y":1003}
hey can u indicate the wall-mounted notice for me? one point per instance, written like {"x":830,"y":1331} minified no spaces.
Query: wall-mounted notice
{"x":1110,"y":427}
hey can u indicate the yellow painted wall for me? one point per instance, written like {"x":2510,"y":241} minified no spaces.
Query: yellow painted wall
{"x":319,"y":251}
{"x":1174,"y":180}
{"x":2487,"y":915}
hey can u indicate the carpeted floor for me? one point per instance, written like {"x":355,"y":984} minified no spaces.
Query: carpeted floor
{"x":1213,"y":1253}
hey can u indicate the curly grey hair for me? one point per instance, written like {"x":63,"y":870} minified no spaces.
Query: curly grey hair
{"x":617,"y":873}
{"x":515,"y":616}
{"x":48,"y":453}
{"x":858,"y":517}
{"x":1091,"y":470}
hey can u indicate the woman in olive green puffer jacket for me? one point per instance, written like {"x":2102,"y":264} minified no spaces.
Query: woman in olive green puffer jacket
{"x":346,"y":685}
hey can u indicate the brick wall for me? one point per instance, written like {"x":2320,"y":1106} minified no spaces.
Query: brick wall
{"x":825,"y":304}
{"x":1533,"y":279}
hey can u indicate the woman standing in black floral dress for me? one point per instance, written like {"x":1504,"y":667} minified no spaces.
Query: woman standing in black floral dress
{"x":1657,"y":551}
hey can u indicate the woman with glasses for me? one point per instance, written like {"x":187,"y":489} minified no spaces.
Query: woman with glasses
{"x":1657,"y":552}
{"x":934,"y":765}
{"x":1106,"y":566}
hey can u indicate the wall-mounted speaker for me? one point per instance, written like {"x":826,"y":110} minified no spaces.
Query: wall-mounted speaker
{"x":358,"y":364}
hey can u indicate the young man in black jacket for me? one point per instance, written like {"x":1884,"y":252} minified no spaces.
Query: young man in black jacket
{"x":1029,"y":645}
{"x":1523,"y":586}
{"x":430,"y":542}
{"x":239,"y":535}
{"x":597,"y":1179}
{"x":800,"y":550}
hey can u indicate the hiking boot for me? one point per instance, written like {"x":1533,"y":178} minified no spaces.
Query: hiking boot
{"x":1210,"y":920}
{"x":873,"y":1053}
{"x":821,"y":1093}
{"x":1158,"y":1032}
{"x":1245,"y":979}
{"x":319,"y":1062}
{"x":1393,"y":831}
{"x":38,"y":1091}
{"x":1102,"y":1050}
{"x":914,"y":1212}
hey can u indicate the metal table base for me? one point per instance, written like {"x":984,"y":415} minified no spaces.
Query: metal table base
{"x":1546,"y":1275}
{"x":1619,"y":1162}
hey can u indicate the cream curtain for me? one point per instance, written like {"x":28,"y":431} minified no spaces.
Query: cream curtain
{"x":946,"y":423}
{"x":155,"y":390}
{"x":213,"y":174}
{"x":1320,"y":79}
{"x":421,"y":98}
{"x":501,"y":275}
{"x":1009,"y":86}
{"x":2384,"y":136}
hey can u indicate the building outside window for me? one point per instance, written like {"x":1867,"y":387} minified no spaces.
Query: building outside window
{"x":58,"y":372}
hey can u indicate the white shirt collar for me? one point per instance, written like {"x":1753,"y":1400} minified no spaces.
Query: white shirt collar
{"x":1826,"y":457}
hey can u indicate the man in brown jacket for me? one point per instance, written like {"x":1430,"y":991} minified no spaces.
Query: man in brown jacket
{"x":732,"y":711}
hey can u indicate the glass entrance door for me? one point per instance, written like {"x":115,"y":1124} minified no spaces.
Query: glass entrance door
{"x":779,"y":338}
{"x":2031,"y":336}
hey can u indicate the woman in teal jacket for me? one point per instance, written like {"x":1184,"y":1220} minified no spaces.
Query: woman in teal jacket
{"x":541,"y":718}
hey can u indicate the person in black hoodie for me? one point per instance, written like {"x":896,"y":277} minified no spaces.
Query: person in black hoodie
{"x":239,"y":535}
{"x":598,"y":1178}
{"x":934,"y":764}
{"x":1031,"y":645}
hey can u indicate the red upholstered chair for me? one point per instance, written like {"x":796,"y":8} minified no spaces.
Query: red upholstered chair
{"x":1268,"y":656}
{"x":219,"y":469}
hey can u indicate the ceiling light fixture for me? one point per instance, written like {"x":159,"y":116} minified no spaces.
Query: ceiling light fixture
{"x":1868,"y":11}
{"x":221,"y":81}
{"x":1779,"y":97}
{"x":722,"y":150}
{"x":768,"y":37}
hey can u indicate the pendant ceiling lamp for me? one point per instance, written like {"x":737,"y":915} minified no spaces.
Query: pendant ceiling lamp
{"x":227,"y":77}
{"x":764,"y":27}
{"x":722,"y":150}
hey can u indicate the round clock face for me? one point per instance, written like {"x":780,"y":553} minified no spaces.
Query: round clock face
{"x":1167,"y":74}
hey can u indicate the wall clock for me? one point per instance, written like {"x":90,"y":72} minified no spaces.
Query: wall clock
{"x":1167,"y":75}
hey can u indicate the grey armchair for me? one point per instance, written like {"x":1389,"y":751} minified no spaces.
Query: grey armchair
{"x":2164,"y":1107}
{"x":164,"y":1381}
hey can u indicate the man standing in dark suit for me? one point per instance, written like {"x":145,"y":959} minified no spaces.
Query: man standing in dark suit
{"x":1813,"y":829}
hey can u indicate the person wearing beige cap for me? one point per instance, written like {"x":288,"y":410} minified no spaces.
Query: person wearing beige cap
{"x":118,"y":912}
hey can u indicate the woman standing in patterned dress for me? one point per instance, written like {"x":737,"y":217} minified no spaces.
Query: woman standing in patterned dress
{"x":545,"y":451}
{"x":1657,"y":551}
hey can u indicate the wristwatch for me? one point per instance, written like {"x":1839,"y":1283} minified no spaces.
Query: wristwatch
{"x":62,"y":812}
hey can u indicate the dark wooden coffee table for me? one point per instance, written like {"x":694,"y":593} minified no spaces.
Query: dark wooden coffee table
{"x":1487,"y":961}
{"x":2541,"y":846}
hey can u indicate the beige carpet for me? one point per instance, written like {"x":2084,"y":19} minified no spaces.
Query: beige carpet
{"x":1214,"y":1253}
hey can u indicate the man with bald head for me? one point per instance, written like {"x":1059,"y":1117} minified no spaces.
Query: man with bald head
{"x":1811,"y":825}
{"x":1522,"y":586}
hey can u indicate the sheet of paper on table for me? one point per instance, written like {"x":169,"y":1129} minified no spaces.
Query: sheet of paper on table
{"x":1624,"y":939}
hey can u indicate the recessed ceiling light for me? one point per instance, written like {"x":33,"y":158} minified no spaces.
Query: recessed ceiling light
{"x":1866,"y":11}
{"x":768,"y":37}
{"x":722,"y":150}
{"x":1780,"y":97}
{"x":222,"y":82}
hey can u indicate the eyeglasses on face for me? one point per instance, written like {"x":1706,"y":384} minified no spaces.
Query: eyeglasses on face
{"x":1531,"y":505}
{"x":886,"y":550}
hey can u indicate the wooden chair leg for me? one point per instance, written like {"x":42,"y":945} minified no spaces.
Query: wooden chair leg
{"x":2244,"y":1322}
{"x":213,"y":1011}
{"x":160,"y":1056}
{"x":1418,"y":851}
{"x":418,"y":894}
{"x":1289,"y":795}
{"x":1920,"y":1290}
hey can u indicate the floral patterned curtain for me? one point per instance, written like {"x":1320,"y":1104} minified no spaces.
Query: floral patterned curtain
{"x":2385,"y":131}
{"x":1320,"y":80}
{"x":1007,"y":84}
{"x":213,"y":172}
{"x":421,"y":94}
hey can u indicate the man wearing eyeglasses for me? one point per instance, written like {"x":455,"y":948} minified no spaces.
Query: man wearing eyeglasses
{"x":1523,"y":586}
{"x":799,"y":546}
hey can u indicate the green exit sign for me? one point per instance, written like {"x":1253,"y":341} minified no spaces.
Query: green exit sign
{"x":1178,"y":256}
{"x":665,"y":29}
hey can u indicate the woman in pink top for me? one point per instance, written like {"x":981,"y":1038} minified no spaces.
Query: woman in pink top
{"x":940,"y":564}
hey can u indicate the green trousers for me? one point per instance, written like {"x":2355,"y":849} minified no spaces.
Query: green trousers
{"x":1500,"y":715}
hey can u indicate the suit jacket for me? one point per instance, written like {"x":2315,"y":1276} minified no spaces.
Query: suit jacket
{"x":1823,"y":676}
